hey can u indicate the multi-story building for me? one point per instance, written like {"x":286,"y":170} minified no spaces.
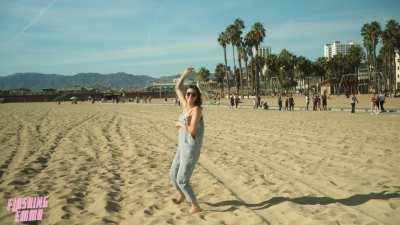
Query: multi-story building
{"x":336,"y":47}
{"x":397,"y":62}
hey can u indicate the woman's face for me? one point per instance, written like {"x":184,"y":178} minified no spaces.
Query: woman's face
{"x":191,"y":96}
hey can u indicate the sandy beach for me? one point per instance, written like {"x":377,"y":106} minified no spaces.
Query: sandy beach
{"x":108,"y":164}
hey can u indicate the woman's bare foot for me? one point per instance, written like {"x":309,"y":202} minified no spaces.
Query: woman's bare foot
{"x":178,"y":200}
{"x":195,"y":208}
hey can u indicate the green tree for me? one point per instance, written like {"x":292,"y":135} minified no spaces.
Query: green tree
{"x":249,"y":41}
{"x":391,"y":40}
{"x":203,"y":74}
{"x":220,"y":73}
{"x":354,"y":57}
{"x":303,"y":68}
{"x":371,"y":33}
{"x":239,"y":24}
{"x":223,"y":41}
{"x":272,"y":68}
{"x":258,"y":31}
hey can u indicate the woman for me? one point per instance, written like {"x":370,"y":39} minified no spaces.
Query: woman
{"x":191,"y":131}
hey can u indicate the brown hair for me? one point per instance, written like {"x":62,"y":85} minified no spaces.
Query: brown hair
{"x":198,"y":101}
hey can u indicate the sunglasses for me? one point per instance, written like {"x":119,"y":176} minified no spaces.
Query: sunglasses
{"x":191,"y":94}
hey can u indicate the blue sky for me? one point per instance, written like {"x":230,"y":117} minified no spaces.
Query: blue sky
{"x":162,"y":37}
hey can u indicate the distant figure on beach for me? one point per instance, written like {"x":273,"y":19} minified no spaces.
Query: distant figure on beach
{"x":382,"y":101}
{"x":232,"y":101}
{"x":314,"y":99}
{"x":353,"y":101}
{"x":237,"y":100}
{"x":191,"y":132}
{"x":265,"y":105}
{"x":286,"y":103}
{"x":319,"y":102}
{"x":307,"y":101}
{"x":280,"y":102}
{"x":291,"y":103}
{"x":324,"y":102}
{"x":373,"y":102}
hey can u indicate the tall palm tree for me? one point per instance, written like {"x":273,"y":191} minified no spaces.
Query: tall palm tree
{"x":371,"y":33}
{"x":244,"y":56}
{"x":354,"y":57}
{"x":219,"y":76}
{"x":203,"y":74}
{"x":249,"y":41}
{"x":259,"y":34}
{"x":391,"y":41}
{"x":231,"y":37}
{"x":237,"y":39}
{"x":223,"y":41}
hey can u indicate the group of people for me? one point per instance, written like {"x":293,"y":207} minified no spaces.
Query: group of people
{"x":316,"y":102}
{"x":377,"y":102}
{"x":234,"y":101}
{"x":138,"y":99}
{"x":289,"y":103}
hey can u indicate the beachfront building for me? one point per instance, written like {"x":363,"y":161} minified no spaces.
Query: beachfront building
{"x":336,"y":47}
{"x":397,"y":61}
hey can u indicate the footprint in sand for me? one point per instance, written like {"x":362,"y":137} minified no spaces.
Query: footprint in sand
{"x":151,"y":210}
{"x":393,"y":205}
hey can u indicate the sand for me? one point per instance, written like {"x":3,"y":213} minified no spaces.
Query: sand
{"x":108,"y":164}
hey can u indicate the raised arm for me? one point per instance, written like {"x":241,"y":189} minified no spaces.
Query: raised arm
{"x":179,"y":86}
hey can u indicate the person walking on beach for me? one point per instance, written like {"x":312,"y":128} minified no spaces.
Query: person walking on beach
{"x":324,"y":102}
{"x":353,"y":101}
{"x":237,"y":100}
{"x":232,"y":101}
{"x":191,"y":132}
{"x":286,"y":103}
{"x":314,"y":102}
{"x":381,"y":101}
{"x":307,"y":101}
{"x":291,"y":103}
{"x":374,"y":107}
{"x":280,"y":102}
{"x":319,"y":102}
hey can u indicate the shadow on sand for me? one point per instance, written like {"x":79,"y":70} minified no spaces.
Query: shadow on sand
{"x":354,"y":200}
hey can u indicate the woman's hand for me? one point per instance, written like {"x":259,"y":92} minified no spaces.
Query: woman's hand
{"x":179,"y":125}
{"x":187,"y":72}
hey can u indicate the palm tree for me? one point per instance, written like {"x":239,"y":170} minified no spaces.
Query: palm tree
{"x":391,"y":41}
{"x":231,"y":32}
{"x":272,"y":66}
{"x":303,"y":68}
{"x":321,"y":67}
{"x":244,"y":56}
{"x":219,"y":76}
{"x":223,"y":41}
{"x":250,"y":43}
{"x":203,"y":74}
{"x":371,"y":32}
{"x":354,"y":57}
{"x":239,"y":24}
{"x":258,"y":31}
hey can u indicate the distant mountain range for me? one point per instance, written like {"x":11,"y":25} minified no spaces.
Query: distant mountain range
{"x":38,"y":81}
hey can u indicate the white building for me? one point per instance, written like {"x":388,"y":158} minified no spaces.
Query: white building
{"x":336,"y":47}
{"x":263,"y":51}
{"x":397,"y":61}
